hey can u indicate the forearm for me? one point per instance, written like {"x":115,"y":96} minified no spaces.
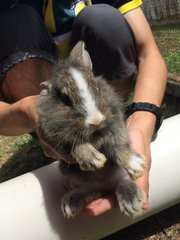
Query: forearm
{"x":18,"y":118}
{"x":151,"y":79}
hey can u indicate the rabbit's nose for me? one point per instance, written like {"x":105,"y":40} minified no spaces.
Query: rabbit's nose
{"x":95,"y":120}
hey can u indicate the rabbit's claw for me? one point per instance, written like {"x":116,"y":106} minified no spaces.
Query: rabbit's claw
{"x":69,"y":207}
{"x":96,"y":160}
{"x":136,"y":166}
{"x":131,"y":202}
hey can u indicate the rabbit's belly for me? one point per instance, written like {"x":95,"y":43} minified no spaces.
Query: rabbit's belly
{"x":105,"y":179}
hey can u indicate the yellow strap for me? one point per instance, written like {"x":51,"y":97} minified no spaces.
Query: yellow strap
{"x":49,"y":16}
{"x":130,"y":6}
{"x":88,"y":2}
{"x":79,"y":6}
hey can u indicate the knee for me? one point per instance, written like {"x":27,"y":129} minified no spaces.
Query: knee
{"x":106,"y":23}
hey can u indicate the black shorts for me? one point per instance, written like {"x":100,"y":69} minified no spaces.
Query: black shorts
{"x":108,"y":38}
{"x":23,"y":36}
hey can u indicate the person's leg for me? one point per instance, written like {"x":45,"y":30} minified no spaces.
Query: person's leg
{"x":24,"y":79}
{"x":110,"y":43}
{"x":27,"y":53}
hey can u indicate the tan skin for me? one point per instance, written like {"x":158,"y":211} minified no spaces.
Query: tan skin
{"x":20,"y":90}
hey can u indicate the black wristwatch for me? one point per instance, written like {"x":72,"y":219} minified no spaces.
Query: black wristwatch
{"x":149,"y":107}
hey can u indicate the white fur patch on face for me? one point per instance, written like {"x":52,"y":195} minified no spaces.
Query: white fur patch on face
{"x":94,"y":116}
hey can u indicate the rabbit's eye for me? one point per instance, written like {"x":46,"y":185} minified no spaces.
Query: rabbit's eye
{"x":63,"y":97}
{"x":66,"y":99}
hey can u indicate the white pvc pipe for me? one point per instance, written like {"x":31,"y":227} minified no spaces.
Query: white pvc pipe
{"x":29,"y":204}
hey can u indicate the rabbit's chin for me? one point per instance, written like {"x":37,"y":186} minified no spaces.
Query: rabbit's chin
{"x":93,"y":130}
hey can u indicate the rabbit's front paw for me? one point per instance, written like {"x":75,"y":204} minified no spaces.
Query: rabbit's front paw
{"x":88,"y":158}
{"x":93,"y":161}
{"x":136,"y":166}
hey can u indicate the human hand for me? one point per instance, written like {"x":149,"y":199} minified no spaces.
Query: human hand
{"x":141,"y":129}
{"x":142,"y":146}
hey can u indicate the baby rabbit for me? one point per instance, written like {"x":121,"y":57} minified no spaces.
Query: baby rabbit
{"x":81,"y":115}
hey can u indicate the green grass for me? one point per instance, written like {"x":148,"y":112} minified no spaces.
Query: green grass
{"x":20,"y":155}
{"x":168,"y":41}
{"x":172,"y":60}
{"x":22,"y":142}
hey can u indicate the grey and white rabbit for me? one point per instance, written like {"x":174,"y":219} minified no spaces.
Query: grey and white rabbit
{"x":81,"y":115}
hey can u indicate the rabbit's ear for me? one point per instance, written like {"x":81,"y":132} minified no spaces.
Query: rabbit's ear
{"x":46,"y":87}
{"x":79,"y":53}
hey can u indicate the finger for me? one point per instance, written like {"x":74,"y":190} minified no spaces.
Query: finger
{"x":143,"y":183}
{"x":48,"y":150}
{"x":100,"y":206}
{"x":50,"y":153}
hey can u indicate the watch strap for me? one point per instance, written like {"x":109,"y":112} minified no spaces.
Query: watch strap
{"x":149,"y":107}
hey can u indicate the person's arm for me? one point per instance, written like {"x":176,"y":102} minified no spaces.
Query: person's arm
{"x":18,"y":118}
{"x":150,"y":87}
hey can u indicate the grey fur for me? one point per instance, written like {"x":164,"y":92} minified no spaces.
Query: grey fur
{"x":102,"y":153}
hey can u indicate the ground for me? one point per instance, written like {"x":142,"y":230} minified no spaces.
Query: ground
{"x":162,"y":226}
